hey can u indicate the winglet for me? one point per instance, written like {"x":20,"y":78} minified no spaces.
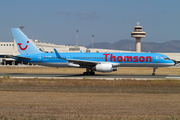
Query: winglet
{"x":57,"y":54}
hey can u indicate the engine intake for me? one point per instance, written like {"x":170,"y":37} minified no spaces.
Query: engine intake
{"x":104,"y":68}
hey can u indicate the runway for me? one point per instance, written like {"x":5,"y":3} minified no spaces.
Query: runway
{"x":81,"y":76}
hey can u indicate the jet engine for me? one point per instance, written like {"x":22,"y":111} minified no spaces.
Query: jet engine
{"x":104,"y":68}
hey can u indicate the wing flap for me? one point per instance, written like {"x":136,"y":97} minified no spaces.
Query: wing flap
{"x":82,"y":62}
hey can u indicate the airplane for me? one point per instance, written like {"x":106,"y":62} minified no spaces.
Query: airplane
{"x":101,"y":62}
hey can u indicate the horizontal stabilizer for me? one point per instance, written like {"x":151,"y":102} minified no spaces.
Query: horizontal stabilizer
{"x":22,"y":57}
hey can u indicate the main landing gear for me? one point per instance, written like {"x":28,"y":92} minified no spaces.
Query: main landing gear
{"x":154,"y":70}
{"x":89,"y":72}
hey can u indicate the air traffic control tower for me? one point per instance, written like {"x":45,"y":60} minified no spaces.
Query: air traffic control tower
{"x":138,"y":34}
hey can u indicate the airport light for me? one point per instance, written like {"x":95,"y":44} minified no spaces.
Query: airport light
{"x":92,"y":41}
{"x":77,"y":37}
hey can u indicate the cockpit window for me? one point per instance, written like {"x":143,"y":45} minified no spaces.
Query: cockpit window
{"x":166,"y":58}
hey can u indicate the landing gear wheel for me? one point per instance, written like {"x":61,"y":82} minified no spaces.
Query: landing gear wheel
{"x":89,"y":73}
{"x":92,"y":73}
{"x":154,"y":70}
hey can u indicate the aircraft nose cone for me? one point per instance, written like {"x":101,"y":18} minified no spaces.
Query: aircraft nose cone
{"x":172,"y":63}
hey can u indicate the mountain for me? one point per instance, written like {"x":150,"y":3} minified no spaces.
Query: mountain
{"x":129,"y":45}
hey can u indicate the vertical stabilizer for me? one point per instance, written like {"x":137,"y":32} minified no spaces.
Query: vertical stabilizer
{"x":25,"y":46}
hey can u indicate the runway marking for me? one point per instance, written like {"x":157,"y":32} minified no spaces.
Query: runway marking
{"x":173,"y":77}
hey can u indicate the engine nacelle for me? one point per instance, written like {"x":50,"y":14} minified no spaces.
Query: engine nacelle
{"x":104,"y":68}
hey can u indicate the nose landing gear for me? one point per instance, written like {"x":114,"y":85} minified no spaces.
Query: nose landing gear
{"x":154,"y":70}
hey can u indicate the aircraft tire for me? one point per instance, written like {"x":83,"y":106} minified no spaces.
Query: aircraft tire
{"x":153,"y":74}
{"x":88,"y":73}
{"x":92,"y":73}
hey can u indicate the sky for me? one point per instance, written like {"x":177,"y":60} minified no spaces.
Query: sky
{"x":56,"y":21}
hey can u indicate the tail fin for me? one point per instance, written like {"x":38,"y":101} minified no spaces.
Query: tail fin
{"x":25,"y":46}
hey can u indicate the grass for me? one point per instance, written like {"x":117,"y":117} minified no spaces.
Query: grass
{"x":88,"y":106}
{"x":91,"y":86}
{"x":68,"y":118}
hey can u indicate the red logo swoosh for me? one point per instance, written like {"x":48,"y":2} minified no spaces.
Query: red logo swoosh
{"x":21,"y":47}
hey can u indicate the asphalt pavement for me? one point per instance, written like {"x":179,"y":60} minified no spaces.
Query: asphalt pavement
{"x":81,"y":76}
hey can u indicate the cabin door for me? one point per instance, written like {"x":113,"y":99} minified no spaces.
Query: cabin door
{"x":157,"y":59}
{"x":39,"y":58}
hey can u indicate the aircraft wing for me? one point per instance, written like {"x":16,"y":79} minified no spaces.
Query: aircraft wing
{"x":76,"y":61}
{"x":82,"y":62}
